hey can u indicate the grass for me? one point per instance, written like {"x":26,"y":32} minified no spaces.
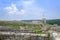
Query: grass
{"x":40,"y":32}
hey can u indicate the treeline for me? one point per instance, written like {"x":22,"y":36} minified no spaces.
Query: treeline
{"x":54,"y":21}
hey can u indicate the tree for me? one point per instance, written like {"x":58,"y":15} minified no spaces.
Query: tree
{"x":51,"y":23}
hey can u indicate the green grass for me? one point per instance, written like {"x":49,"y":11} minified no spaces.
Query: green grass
{"x":40,"y":32}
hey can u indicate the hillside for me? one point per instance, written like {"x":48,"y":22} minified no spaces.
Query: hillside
{"x":55,"y":21}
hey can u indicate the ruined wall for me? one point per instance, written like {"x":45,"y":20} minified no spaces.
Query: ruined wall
{"x":22,"y":37}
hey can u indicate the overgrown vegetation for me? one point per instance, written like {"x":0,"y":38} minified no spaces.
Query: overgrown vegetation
{"x":40,"y":32}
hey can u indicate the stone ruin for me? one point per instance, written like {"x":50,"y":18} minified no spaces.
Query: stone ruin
{"x":12,"y":34}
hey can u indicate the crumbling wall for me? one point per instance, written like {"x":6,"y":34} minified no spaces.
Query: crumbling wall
{"x":22,"y":37}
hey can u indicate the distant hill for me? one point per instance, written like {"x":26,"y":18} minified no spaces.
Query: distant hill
{"x":16,"y":22}
{"x":29,"y":20}
{"x":55,"y":21}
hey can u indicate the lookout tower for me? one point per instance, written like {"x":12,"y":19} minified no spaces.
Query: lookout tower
{"x":43,"y":20}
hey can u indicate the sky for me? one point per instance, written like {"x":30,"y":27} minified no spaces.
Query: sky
{"x":29,"y":9}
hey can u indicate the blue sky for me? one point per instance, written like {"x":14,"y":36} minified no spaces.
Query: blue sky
{"x":29,"y":9}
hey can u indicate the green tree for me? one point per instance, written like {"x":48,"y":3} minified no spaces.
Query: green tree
{"x":51,"y":23}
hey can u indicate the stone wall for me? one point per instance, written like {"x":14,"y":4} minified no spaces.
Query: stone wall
{"x":22,"y":37}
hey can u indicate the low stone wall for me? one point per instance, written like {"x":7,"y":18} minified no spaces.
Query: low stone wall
{"x":22,"y":37}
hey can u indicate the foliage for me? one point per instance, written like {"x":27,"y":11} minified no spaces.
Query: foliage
{"x":51,"y":23}
{"x":40,"y":32}
{"x":55,"y":21}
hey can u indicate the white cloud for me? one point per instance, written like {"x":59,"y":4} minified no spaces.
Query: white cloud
{"x":13,"y":10}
